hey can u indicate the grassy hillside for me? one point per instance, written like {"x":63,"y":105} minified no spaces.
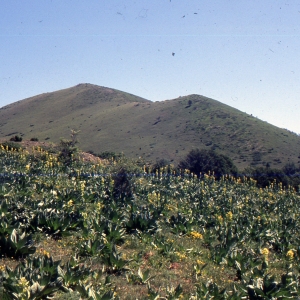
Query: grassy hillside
{"x":111,"y":120}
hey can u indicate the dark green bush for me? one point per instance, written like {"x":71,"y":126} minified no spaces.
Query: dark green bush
{"x":16,"y":138}
{"x":162,"y":163}
{"x":68,"y":150}
{"x":110,"y":155}
{"x":125,"y":174}
{"x":264,"y":176}
{"x":204,"y":161}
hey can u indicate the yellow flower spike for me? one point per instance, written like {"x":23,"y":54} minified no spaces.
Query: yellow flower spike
{"x":220,"y":219}
{"x":196,"y":235}
{"x":70,"y":203}
{"x":23,"y":282}
{"x":46,"y":253}
{"x":290,"y":254}
{"x":99,"y":206}
{"x":229,"y":216}
{"x":265,"y":251}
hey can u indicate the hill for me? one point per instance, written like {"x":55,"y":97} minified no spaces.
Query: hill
{"x":112,"y":120}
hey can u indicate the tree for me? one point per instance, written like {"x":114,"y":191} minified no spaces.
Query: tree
{"x":204,"y":161}
{"x":68,"y":149}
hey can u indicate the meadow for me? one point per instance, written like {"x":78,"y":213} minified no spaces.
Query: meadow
{"x":115,"y":230}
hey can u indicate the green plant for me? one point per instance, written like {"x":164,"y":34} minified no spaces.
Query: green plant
{"x":141,"y":219}
{"x":211,"y":290}
{"x":91,"y":246}
{"x":263,"y":285}
{"x":198,"y":267}
{"x":90,"y":293}
{"x":181,"y":224}
{"x":152,"y":294}
{"x":27,"y":281}
{"x":113,"y":260}
{"x":174,"y":293}
{"x":54,"y":223}
{"x":16,"y":244}
{"x":140,"y":278}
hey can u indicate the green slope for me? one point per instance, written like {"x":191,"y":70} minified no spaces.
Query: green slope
{"x":111,"y":120}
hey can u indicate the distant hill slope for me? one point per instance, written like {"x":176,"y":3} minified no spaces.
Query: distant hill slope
{"x":111,"y":120}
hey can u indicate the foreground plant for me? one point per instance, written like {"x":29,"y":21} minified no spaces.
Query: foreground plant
{"x":40,"y":278}
{"x":16,"y":245}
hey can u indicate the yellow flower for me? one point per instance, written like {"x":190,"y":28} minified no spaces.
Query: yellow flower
{"x":265,"y":251}
{"x":229,"y":215}
{"x":180,"y":255}
{"x":196,"y":235}
{"x":46,"y":253}
{"x":23,"y":283}
{"x":290,"y":254}
{"x":70,"y":203}
{"x":2,"y":268}
{"x":220,"y":219}
{"x":99,"y":206}
{"x":82,"y":185}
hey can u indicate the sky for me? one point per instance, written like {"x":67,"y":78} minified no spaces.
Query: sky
{"x":244,"y":53}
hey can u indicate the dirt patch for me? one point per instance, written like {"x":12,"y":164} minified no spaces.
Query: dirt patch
{"x":30,"y":145}
{"x":90,"y":158}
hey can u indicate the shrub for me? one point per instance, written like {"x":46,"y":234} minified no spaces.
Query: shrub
{"x":162,"y":163}
{"x":110,"y":155}
{"x":265,"y":176}
{"x":289,"y":175}
{"x":124,"y":176}
{"x":68,"y":150}
{"x":204,"y":161}
{"x":16,"y":138}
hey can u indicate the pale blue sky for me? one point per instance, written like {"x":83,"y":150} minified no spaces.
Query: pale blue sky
{"x":243,"y":53}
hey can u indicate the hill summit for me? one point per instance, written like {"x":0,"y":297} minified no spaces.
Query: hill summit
{"x":112,"y":120}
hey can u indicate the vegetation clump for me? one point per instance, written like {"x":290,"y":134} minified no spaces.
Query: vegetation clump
{"x":203,"y":161}
{"x":16,"y":138}
{"x":68,"y":150}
